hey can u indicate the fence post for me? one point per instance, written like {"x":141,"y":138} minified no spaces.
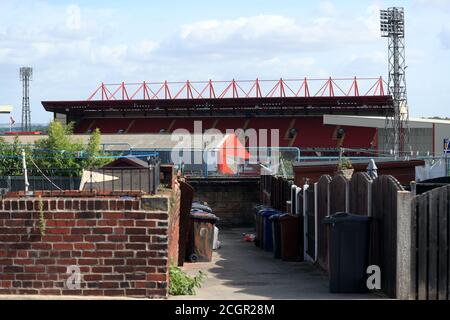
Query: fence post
{"x":305,"y":221}
{"x":404,"y":263}
{"x":315,"y":220}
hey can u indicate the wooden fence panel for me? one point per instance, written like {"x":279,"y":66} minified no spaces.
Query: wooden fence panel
{"x":359,"y":188}
{"x":310,"y":223}
{"x":323,"y":186}
{"x":444,"y":256}
{"x":384,"y":230}
{"x":422,"y":223}
{"x":430,"y":245}
{"x":338,"y":194}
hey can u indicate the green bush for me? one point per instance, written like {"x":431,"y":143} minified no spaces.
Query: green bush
{"x":182,"y":284}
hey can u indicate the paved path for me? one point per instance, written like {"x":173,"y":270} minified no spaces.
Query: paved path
{"x":240,"y":270}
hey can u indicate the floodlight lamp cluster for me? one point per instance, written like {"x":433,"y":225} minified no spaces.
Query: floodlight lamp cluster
{"x":392,"y":22}
{"x":26,"y":73}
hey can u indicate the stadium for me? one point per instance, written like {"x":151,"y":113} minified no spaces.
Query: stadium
{"x":294,"y":107}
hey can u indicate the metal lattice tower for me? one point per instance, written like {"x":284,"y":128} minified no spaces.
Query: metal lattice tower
{"x":393,"y":27}
{"x":26,"y":75}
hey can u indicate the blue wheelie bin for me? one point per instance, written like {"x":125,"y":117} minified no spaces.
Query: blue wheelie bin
{"x":258,"y":232}
{"x":276,"y":234}
{"x":267,"y":228}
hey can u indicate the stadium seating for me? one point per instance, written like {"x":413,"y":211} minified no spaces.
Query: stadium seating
{"x":309,"y":132}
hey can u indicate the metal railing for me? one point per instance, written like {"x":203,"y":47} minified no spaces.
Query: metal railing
{"x":119,"y":179}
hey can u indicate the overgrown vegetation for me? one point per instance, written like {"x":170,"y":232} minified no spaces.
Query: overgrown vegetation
{"x":344,"y":164}
{"x":182,"y":284}
{"x":58,"y":151}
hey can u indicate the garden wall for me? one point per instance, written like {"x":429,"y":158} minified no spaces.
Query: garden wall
{"x":120,"y":247}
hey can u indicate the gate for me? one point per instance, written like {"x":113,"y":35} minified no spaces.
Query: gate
{"x":430,"y":245}
{"x":384,"y":231}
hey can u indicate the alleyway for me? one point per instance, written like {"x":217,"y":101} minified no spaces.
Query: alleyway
{"x":240,"y":270}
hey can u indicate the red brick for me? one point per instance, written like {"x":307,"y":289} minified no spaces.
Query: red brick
{"x":114,"y":292}
{"x":136,"y":262}
{"x":9,"y":238}
{"x":157,"y":216}
{"x":123,"y":254}
{"x":60,"y":223}
{"x":108,"y":223}
{"x":62,"y":246}
{"x":117,"y":238}
{"x":55,"y":292}
{"x":63,"y":215}
{"x":41,"y":246}
{"x":102,"y":230}
{"x":136,"y":246}
{"x":26,"y":276}
{"x":136,"y":292}
{"x":127,"y":223}
{"x":102,"y":269}
{"x":106,"y":246}
{"x":140,"y":239}
{"x":67,"y":262}
{"x":145,"y":223}
{"x":35,"y":269}
{"x":89,"y":262}
{"x":45,"y":261}
{"x":114,"y":262}
{"x":135,"y":215}
{"x":23,"y":261}
{"x":92,"y":277}
{"x":113,"y":215}
{"x":119,"y":231}
{"x":113,"y":277}
{"x":108,"y":285}
{"x":136,"y":231}
{"x":84,"y":246}
{"x":57,"y":231}
{"x":74,"y":238}
{"x":51,"y":238}
{"x":86,"y":223}
{"x":95,"y":238}
{"x":56,"y":269}
{"x":80,"y":231}
{"x":47,"y":276}
{"x":157,"y":262}
{"x":157,"y":277}
{"x":97,"y":254}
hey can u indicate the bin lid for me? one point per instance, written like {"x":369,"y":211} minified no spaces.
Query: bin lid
{"x":288,"y":217}
{"x":268,"y":213}
{"x":260,"y":211}
{"x":341,"y":217}
{"x":201,"y":207}
{"x":277,"y":216}
{"x":201,"y":215}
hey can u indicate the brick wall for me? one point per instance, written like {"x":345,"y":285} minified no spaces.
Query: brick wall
{"x":119,"y":246}
{"x":231,"y":199}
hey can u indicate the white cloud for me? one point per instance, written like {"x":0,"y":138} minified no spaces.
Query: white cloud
{"x":444,"y":37}
{"x":73,"y":21}
{"x":327,"y":8}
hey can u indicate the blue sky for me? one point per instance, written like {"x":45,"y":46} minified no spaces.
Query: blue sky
{"x":75,"y":45}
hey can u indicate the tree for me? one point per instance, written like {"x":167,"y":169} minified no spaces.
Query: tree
{"x":11,"y":159}
{"x":59,"y":151}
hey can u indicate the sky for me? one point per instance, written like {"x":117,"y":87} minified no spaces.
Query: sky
{"x":73,"y":46}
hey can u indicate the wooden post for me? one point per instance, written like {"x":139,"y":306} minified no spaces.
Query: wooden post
{"x":404,"y":263}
